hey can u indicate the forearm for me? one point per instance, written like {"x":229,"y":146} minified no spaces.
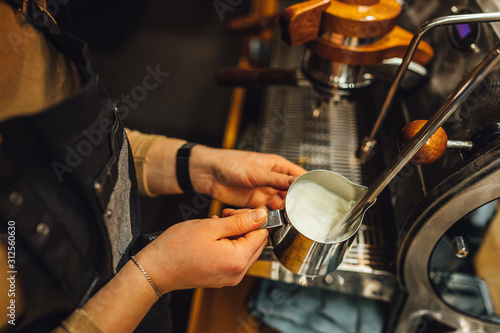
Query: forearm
{"x":245,"y":179}
{"x":154,"y":159}
{"x":196,"y":253}
{"x":122,"y":303}
{"x":78,"y":321}
{"x":160,"y":170}
{"x":155,"y":163}
{"x":140,"y":145}
{"x":212,"y":252}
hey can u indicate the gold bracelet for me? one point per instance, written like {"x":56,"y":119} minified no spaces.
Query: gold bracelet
{"x":146,"y":275}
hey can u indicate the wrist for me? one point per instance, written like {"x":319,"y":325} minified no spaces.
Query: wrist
{"x":202,"y":169}
{"x":156,"y":266}
{"x":161,"y":177}
{"x":146,"y":275}
{"x":128,"y":287}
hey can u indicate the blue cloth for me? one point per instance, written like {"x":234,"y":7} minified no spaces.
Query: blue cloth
{"x":292,"y":308}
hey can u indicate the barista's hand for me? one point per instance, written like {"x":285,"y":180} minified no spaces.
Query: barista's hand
{"x":212,"y":252}
{"x":242,"y":178}
{"x":205,"y":253}
{"x":237,"y":178}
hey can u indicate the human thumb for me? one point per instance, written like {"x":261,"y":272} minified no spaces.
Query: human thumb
{"x":243,"y":223}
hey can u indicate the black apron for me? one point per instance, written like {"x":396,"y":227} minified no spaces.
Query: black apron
{"x":68,"y":186}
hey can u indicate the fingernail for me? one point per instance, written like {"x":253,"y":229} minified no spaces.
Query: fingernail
{"x":291,"y":180}
{"x":258,"y":214}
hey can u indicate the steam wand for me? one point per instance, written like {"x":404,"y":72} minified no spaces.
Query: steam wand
{"x":464,"y":88}
{"x":369,"y":142}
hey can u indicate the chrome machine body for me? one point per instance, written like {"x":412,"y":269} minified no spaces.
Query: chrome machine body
{"x":417,"y":244}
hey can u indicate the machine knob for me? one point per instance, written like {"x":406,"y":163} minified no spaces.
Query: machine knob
{"x":434,"y":148}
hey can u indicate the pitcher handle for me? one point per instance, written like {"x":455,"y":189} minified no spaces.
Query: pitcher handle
{"x":274,"y":219}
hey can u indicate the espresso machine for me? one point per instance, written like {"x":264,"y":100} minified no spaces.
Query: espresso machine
{"x":342,"y":90}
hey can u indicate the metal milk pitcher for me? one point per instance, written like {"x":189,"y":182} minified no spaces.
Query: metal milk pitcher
{"x":301,"y":254}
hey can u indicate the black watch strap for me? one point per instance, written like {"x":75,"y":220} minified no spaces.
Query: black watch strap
{"x":182,"y":167}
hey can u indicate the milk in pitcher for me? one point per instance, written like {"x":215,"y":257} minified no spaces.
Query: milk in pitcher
{"x":314,"y":210}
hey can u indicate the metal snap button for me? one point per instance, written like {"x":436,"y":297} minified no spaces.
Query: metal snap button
{"x":43,"y":229}
{"x":15,"y":198}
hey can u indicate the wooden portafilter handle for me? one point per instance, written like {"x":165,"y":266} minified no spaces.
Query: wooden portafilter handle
{"x":434,"y":148}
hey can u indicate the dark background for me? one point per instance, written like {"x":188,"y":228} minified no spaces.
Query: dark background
{"x":188,"y":40}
